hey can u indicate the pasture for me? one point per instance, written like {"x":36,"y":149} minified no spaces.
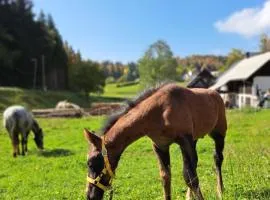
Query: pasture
{"x":60,"y":171}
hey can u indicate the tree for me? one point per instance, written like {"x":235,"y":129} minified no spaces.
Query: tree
{"x":132,"y":72}
{"x":86,"y":76}
{"x":264,"y":43}
{"x":22,"y":39}
{"x":234,"y":56}
{"x":157,"y":64}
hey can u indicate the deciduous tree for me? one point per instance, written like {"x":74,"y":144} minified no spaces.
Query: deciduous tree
{"x":157,"y":64}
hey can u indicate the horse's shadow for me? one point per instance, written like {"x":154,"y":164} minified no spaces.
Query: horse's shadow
{"x":56,"y":153}
{"x":258,"y":194}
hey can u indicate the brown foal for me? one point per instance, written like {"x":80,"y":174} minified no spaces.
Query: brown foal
{"x":167,"y":114}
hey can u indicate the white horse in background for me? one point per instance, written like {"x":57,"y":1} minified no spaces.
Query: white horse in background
{"x":18,"y":121}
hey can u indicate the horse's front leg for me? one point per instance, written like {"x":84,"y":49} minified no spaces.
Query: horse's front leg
{"x":163,"y":156}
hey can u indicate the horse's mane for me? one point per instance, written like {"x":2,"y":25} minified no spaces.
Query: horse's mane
{"x":129,"y":104}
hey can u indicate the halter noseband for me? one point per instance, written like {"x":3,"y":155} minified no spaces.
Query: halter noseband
{"x":107,"y":169}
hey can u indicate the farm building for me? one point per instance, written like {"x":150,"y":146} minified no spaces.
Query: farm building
{"x":245,"y":83}
{"x":203,"y":80}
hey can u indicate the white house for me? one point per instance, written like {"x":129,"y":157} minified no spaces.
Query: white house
{"x":246,"y":81}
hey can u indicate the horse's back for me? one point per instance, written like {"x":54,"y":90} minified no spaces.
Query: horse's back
{"x":17,"y":118}
{"x":195,"y":111}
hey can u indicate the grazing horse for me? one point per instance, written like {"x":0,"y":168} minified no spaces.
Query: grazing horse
{"x":166,"y":114}
{"x":17,"y":120}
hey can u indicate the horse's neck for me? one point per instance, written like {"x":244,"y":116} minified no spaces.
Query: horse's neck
{"x":35,"y":126}
{"x":118,"y":138}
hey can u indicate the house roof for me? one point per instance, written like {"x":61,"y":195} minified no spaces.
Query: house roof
{"x":203,"y":79}
{"x":242,"y":70}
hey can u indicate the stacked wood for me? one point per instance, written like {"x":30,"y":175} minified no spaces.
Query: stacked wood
{"x":96,"y":109}
{"x":48,"y":113}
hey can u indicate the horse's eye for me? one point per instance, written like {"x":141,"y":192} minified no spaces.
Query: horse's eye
{"x":89,"y":162}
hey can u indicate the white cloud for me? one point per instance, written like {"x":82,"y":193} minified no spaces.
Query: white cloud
{"x":247,"y":22}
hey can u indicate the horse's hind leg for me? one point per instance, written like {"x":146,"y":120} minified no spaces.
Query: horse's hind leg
{"x":218,"y":158}
{"x":163,"y":156}
{"x":15,"y":144}
{"x":190,"y":158}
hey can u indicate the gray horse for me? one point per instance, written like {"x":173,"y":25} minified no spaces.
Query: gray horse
{"x":17,"y":120}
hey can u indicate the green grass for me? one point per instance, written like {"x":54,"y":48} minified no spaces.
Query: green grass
{"x":123,"y":92}
{"x":37,"y":98}
{"x":60,"y":172}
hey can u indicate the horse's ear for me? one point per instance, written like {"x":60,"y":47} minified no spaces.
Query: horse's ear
{"x":91,"y":137}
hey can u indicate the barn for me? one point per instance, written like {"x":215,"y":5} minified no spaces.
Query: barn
{"x":246,"y":81}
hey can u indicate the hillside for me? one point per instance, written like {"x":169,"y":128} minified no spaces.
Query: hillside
{"x":34,"y":99}
{"x":37,"y":99}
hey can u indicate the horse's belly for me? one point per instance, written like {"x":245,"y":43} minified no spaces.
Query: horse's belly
{"x":204,"y":126}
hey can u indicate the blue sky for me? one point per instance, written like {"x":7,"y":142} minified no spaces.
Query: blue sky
{"x":121,"y":30}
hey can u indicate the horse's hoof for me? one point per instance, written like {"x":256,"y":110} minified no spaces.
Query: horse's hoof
{"x":220,"y":191}
{"x":189,"y":195}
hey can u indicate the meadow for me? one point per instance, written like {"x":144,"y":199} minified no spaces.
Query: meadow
{"x":60,"y":171}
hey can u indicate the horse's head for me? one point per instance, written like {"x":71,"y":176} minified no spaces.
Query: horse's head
{"x":99,"y":176}
{"x":38,"y":135}
{"x":39,"y":139}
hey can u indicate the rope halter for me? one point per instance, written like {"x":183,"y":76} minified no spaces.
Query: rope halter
{"x":106,"y":170}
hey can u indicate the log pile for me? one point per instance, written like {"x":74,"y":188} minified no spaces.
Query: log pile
{"x":96,"y":109}
{"x":52,"y":112}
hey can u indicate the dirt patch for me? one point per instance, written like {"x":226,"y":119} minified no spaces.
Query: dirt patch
{"x":103,"y":108}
